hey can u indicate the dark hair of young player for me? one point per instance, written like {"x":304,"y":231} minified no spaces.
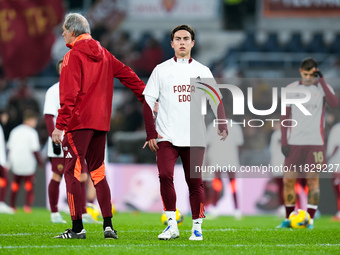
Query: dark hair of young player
{"x":308,"y":63}
{"x":183,"y":27}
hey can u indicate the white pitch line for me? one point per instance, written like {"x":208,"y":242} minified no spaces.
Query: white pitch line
{"x":17,"y":234}
{"x":150,"y":231}
{"x":158,"y":245}
{"x":156,"y":231}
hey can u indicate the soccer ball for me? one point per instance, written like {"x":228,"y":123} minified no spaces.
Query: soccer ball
{"x":179,"y":218}
{"x":93,"y":211}
{"x":299,"y":219}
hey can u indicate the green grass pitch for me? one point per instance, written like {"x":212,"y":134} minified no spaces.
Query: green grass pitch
{"x":32,"y":234}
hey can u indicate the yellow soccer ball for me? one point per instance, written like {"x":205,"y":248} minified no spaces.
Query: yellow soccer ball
{"x":93,"y":211}
{"x":179,"y":218}
{"x":299,"y":219}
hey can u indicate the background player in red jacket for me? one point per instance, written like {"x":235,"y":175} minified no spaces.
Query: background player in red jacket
{"x":56,"y":156}
{"x":86,"y":90}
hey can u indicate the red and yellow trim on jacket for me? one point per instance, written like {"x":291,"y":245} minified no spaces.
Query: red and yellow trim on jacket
{"x":77,"y":167}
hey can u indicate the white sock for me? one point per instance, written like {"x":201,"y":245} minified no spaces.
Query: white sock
{"x":171,"y":216}
{"x":196,"y":224}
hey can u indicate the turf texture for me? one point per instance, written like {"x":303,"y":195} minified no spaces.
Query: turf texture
{"x":32,"y":234}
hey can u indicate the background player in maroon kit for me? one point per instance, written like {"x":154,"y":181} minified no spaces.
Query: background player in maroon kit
{"x":86,"y":90}
{"x":304,"y":146}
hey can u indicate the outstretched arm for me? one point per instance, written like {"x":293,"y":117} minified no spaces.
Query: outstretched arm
{"x":129,"y":79}
{"x":151,"y":133}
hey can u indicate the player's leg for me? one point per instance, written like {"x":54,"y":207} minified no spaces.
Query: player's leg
{"x":91,"y":191}
{"x":91,"y":195}
{"x":96,"y":168}
{"x":84,"y":177}
{"x":29,"y":189}
{"x":15,"y":186}
{"x":269,"y":200}
{"x":289,"y":179}
{"x":233,"y":189}
{"x":4,"y":208}
{"x":289,"y":193}
{"x":313,"y":194}
{"x":301,"y":190}
{"x":53,"y":189}
{"x":208,"y":190}
{"x":289,"y":196}
{"x":316,"y":155}
{"x":166,"y":159}
{"x":281,"y":210}
{"x":3,"y":183}
{"x":336,"y":186}
{"x":212,"y":190}
{"x":192,"y":157}
{"x":75,"y":145}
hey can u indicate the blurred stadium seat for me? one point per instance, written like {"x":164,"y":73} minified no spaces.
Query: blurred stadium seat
{"x":166,"y":45}
{"x":295,"y":44}
{"x":272,"y":44}
{"x":249,"y":43}
{"x":142,"y":41}
{"x":317,"y":44}
{"x":334,"y":47}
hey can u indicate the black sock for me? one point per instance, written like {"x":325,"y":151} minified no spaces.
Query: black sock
{"x":107,"y":222}
{"x":77,"y":225}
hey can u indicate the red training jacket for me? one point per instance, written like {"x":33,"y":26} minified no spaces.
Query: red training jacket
{"x":86,"y":85}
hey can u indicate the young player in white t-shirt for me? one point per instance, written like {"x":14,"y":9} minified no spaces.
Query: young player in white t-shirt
{"x":303,"y":144}
{"x":54,"y":152}
{"x":23,"y":155}
{"x":171,"y":138}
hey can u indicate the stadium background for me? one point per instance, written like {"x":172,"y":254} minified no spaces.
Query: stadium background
{"x":236,"y":39}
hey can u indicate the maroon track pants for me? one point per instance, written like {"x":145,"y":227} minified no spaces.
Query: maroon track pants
{"x":167,"y":156}
{"x":78,"y":146}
